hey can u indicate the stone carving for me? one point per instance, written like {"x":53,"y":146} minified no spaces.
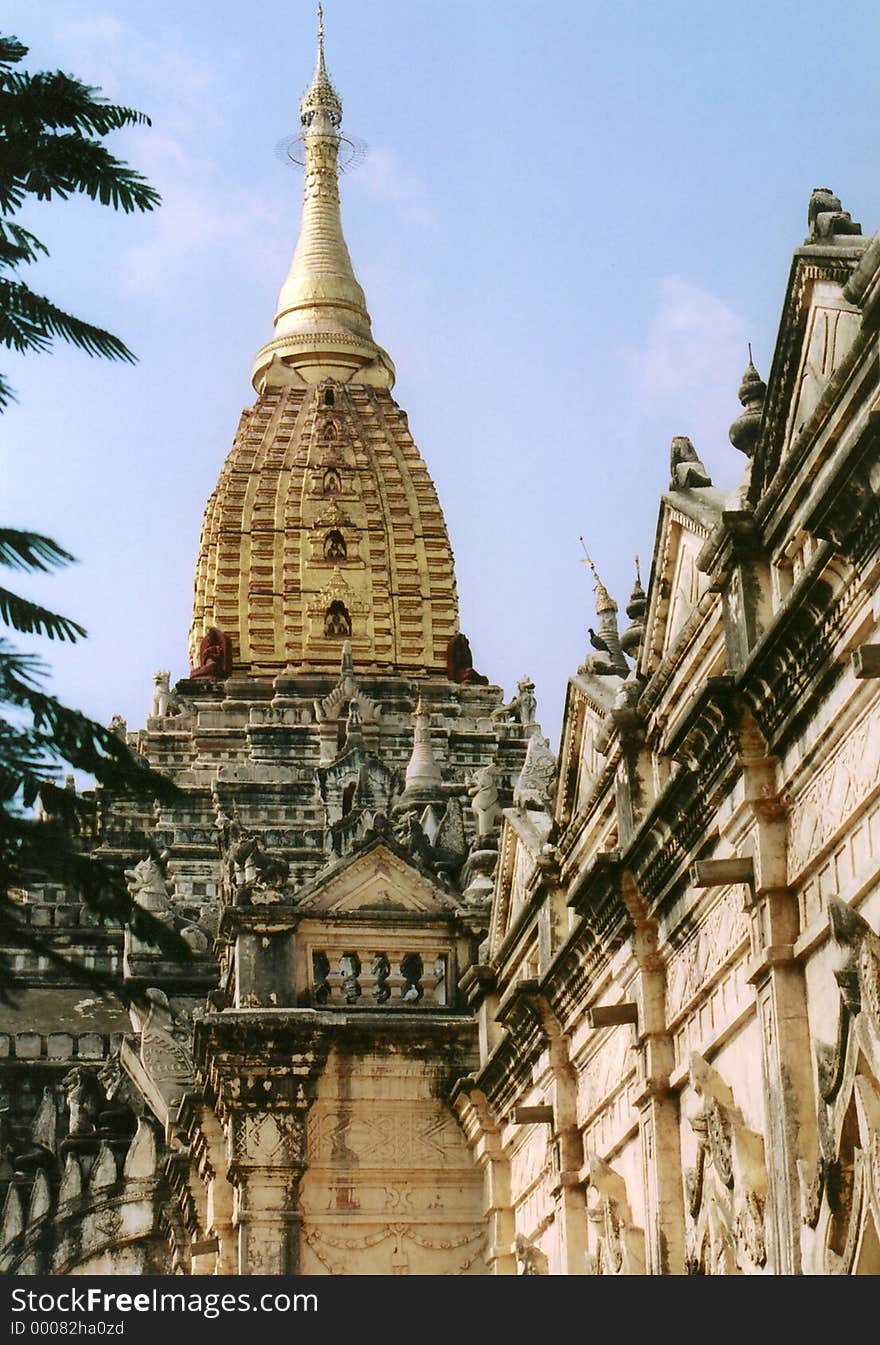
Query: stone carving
{"x":386,"y":1137}
{"x":686,"y":469}
{"x":118,"y":726}
{"x":534,"y":787}
{"x":522,"y":706}
{"x":165,"y":701}
{"x":150,"y":890}
{"x":827,"y":218}
{"x":320,"y":972}
{"x":82,"y":1102}
{"x":484,"y":801}
{"x":833,"y":796}
{"x":636,"y":608}
{"x":350,"y":967}
{"x":460,"y":663}
{"x":381,"y":971}
{"x":746,"y":428}
{"x":449,"y":845}
{"x":337,"y":592}
{"x":215,"y":656}
{"x":43,"y":1138}
{"x":269,"y":1138}
{"x":257,"y":872}
{"x":165,"y":1048}
{"x":843,"y":1187}
{"x":334,"y":546}
{"x":620,"y":1245}
{"x":608,"y":659}
{"x":721,"y":934}
{"x":337,"y":621}
{"x":727,"y":1191}
{"x":529,"y":1258}
{"x":148,"y":887}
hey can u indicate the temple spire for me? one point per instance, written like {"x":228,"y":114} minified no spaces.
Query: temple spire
{"x":322,"y":326}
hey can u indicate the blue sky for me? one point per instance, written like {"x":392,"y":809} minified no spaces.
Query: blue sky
{"x":570,"y":221}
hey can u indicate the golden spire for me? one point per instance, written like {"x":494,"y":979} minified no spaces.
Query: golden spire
{"x":604,"y":600}
{"x":322,"y":327}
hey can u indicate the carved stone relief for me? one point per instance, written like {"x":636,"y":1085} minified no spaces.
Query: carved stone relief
{"x":720,"y":934}
{"x":619,"y":1244}
{"x":849,"y":778}
{"x":841,"y":1192}
{"x":726,"y":1191}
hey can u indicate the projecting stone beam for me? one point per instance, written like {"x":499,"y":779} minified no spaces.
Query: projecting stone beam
{"x":722,"y":872}
{"x":613,"y":1015}
{"x":866,"y":661}
{"x":523,"y":1116}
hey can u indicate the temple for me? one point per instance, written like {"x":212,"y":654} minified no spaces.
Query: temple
{"x":454,"y":1004}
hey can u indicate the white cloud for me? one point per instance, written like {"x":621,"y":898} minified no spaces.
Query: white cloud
{"x":689,"y":365}
{"x":201,"y":208}
{"x":692,"y":340}
{"x":382,"y":175}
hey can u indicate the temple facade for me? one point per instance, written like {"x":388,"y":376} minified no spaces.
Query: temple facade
{"x":455,"y":1004}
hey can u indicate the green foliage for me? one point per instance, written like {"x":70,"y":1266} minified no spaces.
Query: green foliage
{"x":50,"y":147}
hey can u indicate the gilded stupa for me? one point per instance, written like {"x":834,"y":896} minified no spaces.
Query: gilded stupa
{"x":325,"y":524}
{"x":281,"y":1100}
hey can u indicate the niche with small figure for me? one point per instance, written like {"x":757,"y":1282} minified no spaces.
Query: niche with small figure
{"x":332,"y":482}
{"x":334,"y":546}
{"x":337,"y":622}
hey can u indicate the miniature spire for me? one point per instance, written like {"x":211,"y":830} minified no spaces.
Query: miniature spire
{"x":322,"y":327}
{"x":423,"y":773}
{"x":604,"y":601}
{"x":606,"y":641}
{"x":635,"y":610}
{"x":354,"y":734}
{"x":346,"y":671}
{"x":745,"y":429}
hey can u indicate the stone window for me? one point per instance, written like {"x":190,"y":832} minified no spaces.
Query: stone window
{"x":337,"y":622}
{"x":334,"y":546}
{"x":329,"y":399}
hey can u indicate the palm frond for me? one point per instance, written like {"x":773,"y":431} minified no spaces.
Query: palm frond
{"x":19,"y":245}
{"x":31,"y":619}
{"x":22,"y":550}
{"x":30,"y":321}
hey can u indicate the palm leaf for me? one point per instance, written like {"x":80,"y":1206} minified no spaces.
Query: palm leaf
{"x":30,"y":321}
{"x":31,"y":550}
{"x":32,"y":619}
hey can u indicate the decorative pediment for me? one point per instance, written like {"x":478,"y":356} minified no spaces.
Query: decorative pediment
{"x":337,"y":589}
{"x":687,"y":516}
{"x":816,"y":331}
{"x":376,"y":880}
{"x":521,"y":850}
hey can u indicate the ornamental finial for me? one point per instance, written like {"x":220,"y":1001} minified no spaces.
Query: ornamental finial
{"x":604,"y":601}
{"x":321,"y":95}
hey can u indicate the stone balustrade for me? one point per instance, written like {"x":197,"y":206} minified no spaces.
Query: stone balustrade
{"x":363,"y":978}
